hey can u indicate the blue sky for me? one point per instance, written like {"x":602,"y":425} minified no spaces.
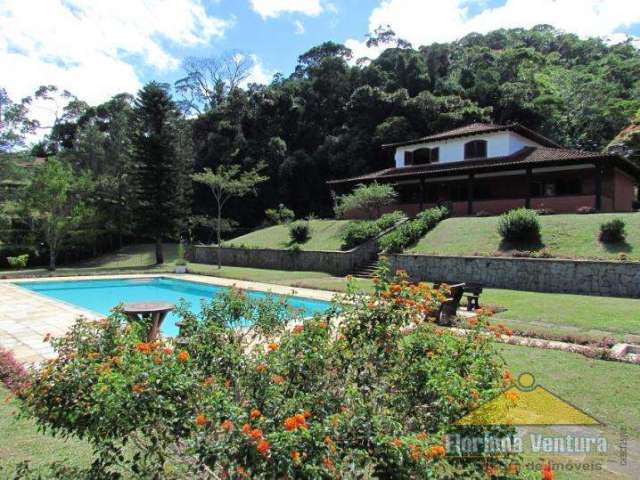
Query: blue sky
{"x":97,"y":48}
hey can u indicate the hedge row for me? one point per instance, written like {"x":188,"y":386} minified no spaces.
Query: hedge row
{"x":357,"y":232}
{"x":410,"y":232}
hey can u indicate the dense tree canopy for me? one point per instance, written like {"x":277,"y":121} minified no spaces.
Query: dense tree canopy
{"x":329,"y":118}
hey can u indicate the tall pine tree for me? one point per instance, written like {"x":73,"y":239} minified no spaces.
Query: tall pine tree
{"x":159,"y":173}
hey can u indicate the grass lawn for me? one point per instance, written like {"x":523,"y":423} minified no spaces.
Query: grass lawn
{"x":20,"y":441}
{"x":568,"y":236}
{"x":566,"y":314}
{"x":325,"y":235}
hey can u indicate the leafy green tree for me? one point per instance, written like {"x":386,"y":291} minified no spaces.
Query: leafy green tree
{"x":15,"y":123}
{"x":56,"y":200}
{"x":158,"y":176}
{"x":371,"y":198}
{"x":228,"y":182}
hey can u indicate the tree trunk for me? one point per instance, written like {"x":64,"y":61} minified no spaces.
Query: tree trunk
{"x":219,"y":227}
{"x":52,"y":258}
{"x":159,"y":252}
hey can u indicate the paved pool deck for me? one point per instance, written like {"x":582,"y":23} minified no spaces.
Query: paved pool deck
{"x":26,"y":317}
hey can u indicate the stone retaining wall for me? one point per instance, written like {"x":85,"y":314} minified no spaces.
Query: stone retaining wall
{"x":618,"y":279}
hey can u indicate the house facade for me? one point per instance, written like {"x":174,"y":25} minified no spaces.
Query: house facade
{"x":489,"y":169}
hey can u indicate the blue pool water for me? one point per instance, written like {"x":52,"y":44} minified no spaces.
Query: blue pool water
{"x":102,"y":295}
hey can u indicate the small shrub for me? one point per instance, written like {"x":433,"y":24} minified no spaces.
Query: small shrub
{"x":299,"y":231}
{"x":19,"y":261}
{"x":280,"y":215}
{"x":612,"y":231}
{"x":520,"y":225}
{"x":586,"y":210}
{"x":12,"y":373}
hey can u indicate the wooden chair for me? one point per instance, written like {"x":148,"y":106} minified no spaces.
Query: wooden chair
{"x":449,"y":307}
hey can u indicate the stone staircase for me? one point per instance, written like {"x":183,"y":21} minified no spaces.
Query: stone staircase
{"x":366,"y":270}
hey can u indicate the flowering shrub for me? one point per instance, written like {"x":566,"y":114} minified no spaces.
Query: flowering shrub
{"x":251,"y":389}
{"x":12,"y":373}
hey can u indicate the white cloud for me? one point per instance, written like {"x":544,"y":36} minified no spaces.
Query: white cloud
{"x":258,"y":73}
{"x":86,"y":46}
{"x":275,"y":8}
{"x":299,"y":27}
{"x":430,"y":21}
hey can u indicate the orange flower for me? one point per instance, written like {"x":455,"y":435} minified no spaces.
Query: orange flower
{"x":143,"y":347}
{"x":290,"y":423}
{"x":547,"y":472}
{"x":138,"y":387}
{"x":242,"y":472}
{"x":273,"y":346}
{"x":330,"y":444}
{"x":255,"y":434}
{"x":255,"y":413}
{"x":183,"y":356}
{"x":277,"y":379}
{"x":328,"y":463}
{"x":322,"y":324}
{"x":209,"y":381}
{"x":421,"y":436}
{"x":507,"y":377}
{"x":227,"y":425}
{"x":298,"y":329}
{"x":396,"y":442}
{"x":436,"y":451}
{"x":167,"y":350}
{"x":263,"y":447}
{"x":295,"y":456}
{"x":261,"y":367}
{"x":157,"y":360}
{"x":246,"y":428}
{"x":415,"y":451}
{"x":512,"y":396}
{"x":201,"y":420}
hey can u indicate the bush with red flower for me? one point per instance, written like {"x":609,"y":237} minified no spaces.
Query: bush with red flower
{"x":252,"y":390}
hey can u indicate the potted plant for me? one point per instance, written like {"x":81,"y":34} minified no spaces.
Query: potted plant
{"x":181,"y":263}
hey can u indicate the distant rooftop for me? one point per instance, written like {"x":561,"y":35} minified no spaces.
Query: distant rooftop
{"x":478,"y":128}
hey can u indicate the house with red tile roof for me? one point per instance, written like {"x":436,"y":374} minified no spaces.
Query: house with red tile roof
{"x":488,"y":168}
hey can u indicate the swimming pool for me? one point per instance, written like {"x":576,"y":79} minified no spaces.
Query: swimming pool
{"x":101,"y":296}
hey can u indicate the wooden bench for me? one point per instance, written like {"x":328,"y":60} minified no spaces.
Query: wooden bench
{"x":449,"y":307}
{"x":472,"y":293}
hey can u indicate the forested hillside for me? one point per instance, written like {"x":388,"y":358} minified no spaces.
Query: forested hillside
{"x":330,"y":116}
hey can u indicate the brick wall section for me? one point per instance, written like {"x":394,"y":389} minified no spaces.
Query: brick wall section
{"x":617,"y":279}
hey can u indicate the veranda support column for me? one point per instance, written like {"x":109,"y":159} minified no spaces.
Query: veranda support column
{"x":470,"y":195}
{"x":423,"y":194}
{"x":527,"y":201}
{"x":598,"y":180}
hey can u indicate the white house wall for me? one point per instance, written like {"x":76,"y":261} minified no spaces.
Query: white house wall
{"x":452,"y":150}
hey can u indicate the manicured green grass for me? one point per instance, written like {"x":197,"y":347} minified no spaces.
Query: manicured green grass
{"x":325,"y":235}
{"x":20,"y":441}
{"x":565,"y":314}
{"x":566,"y":236}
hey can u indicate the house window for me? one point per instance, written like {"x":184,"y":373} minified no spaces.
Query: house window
{"x":408,"y":158}
{"x":475,"y":149}
{"x":552,"y":188}
{"x":426,"y":155}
